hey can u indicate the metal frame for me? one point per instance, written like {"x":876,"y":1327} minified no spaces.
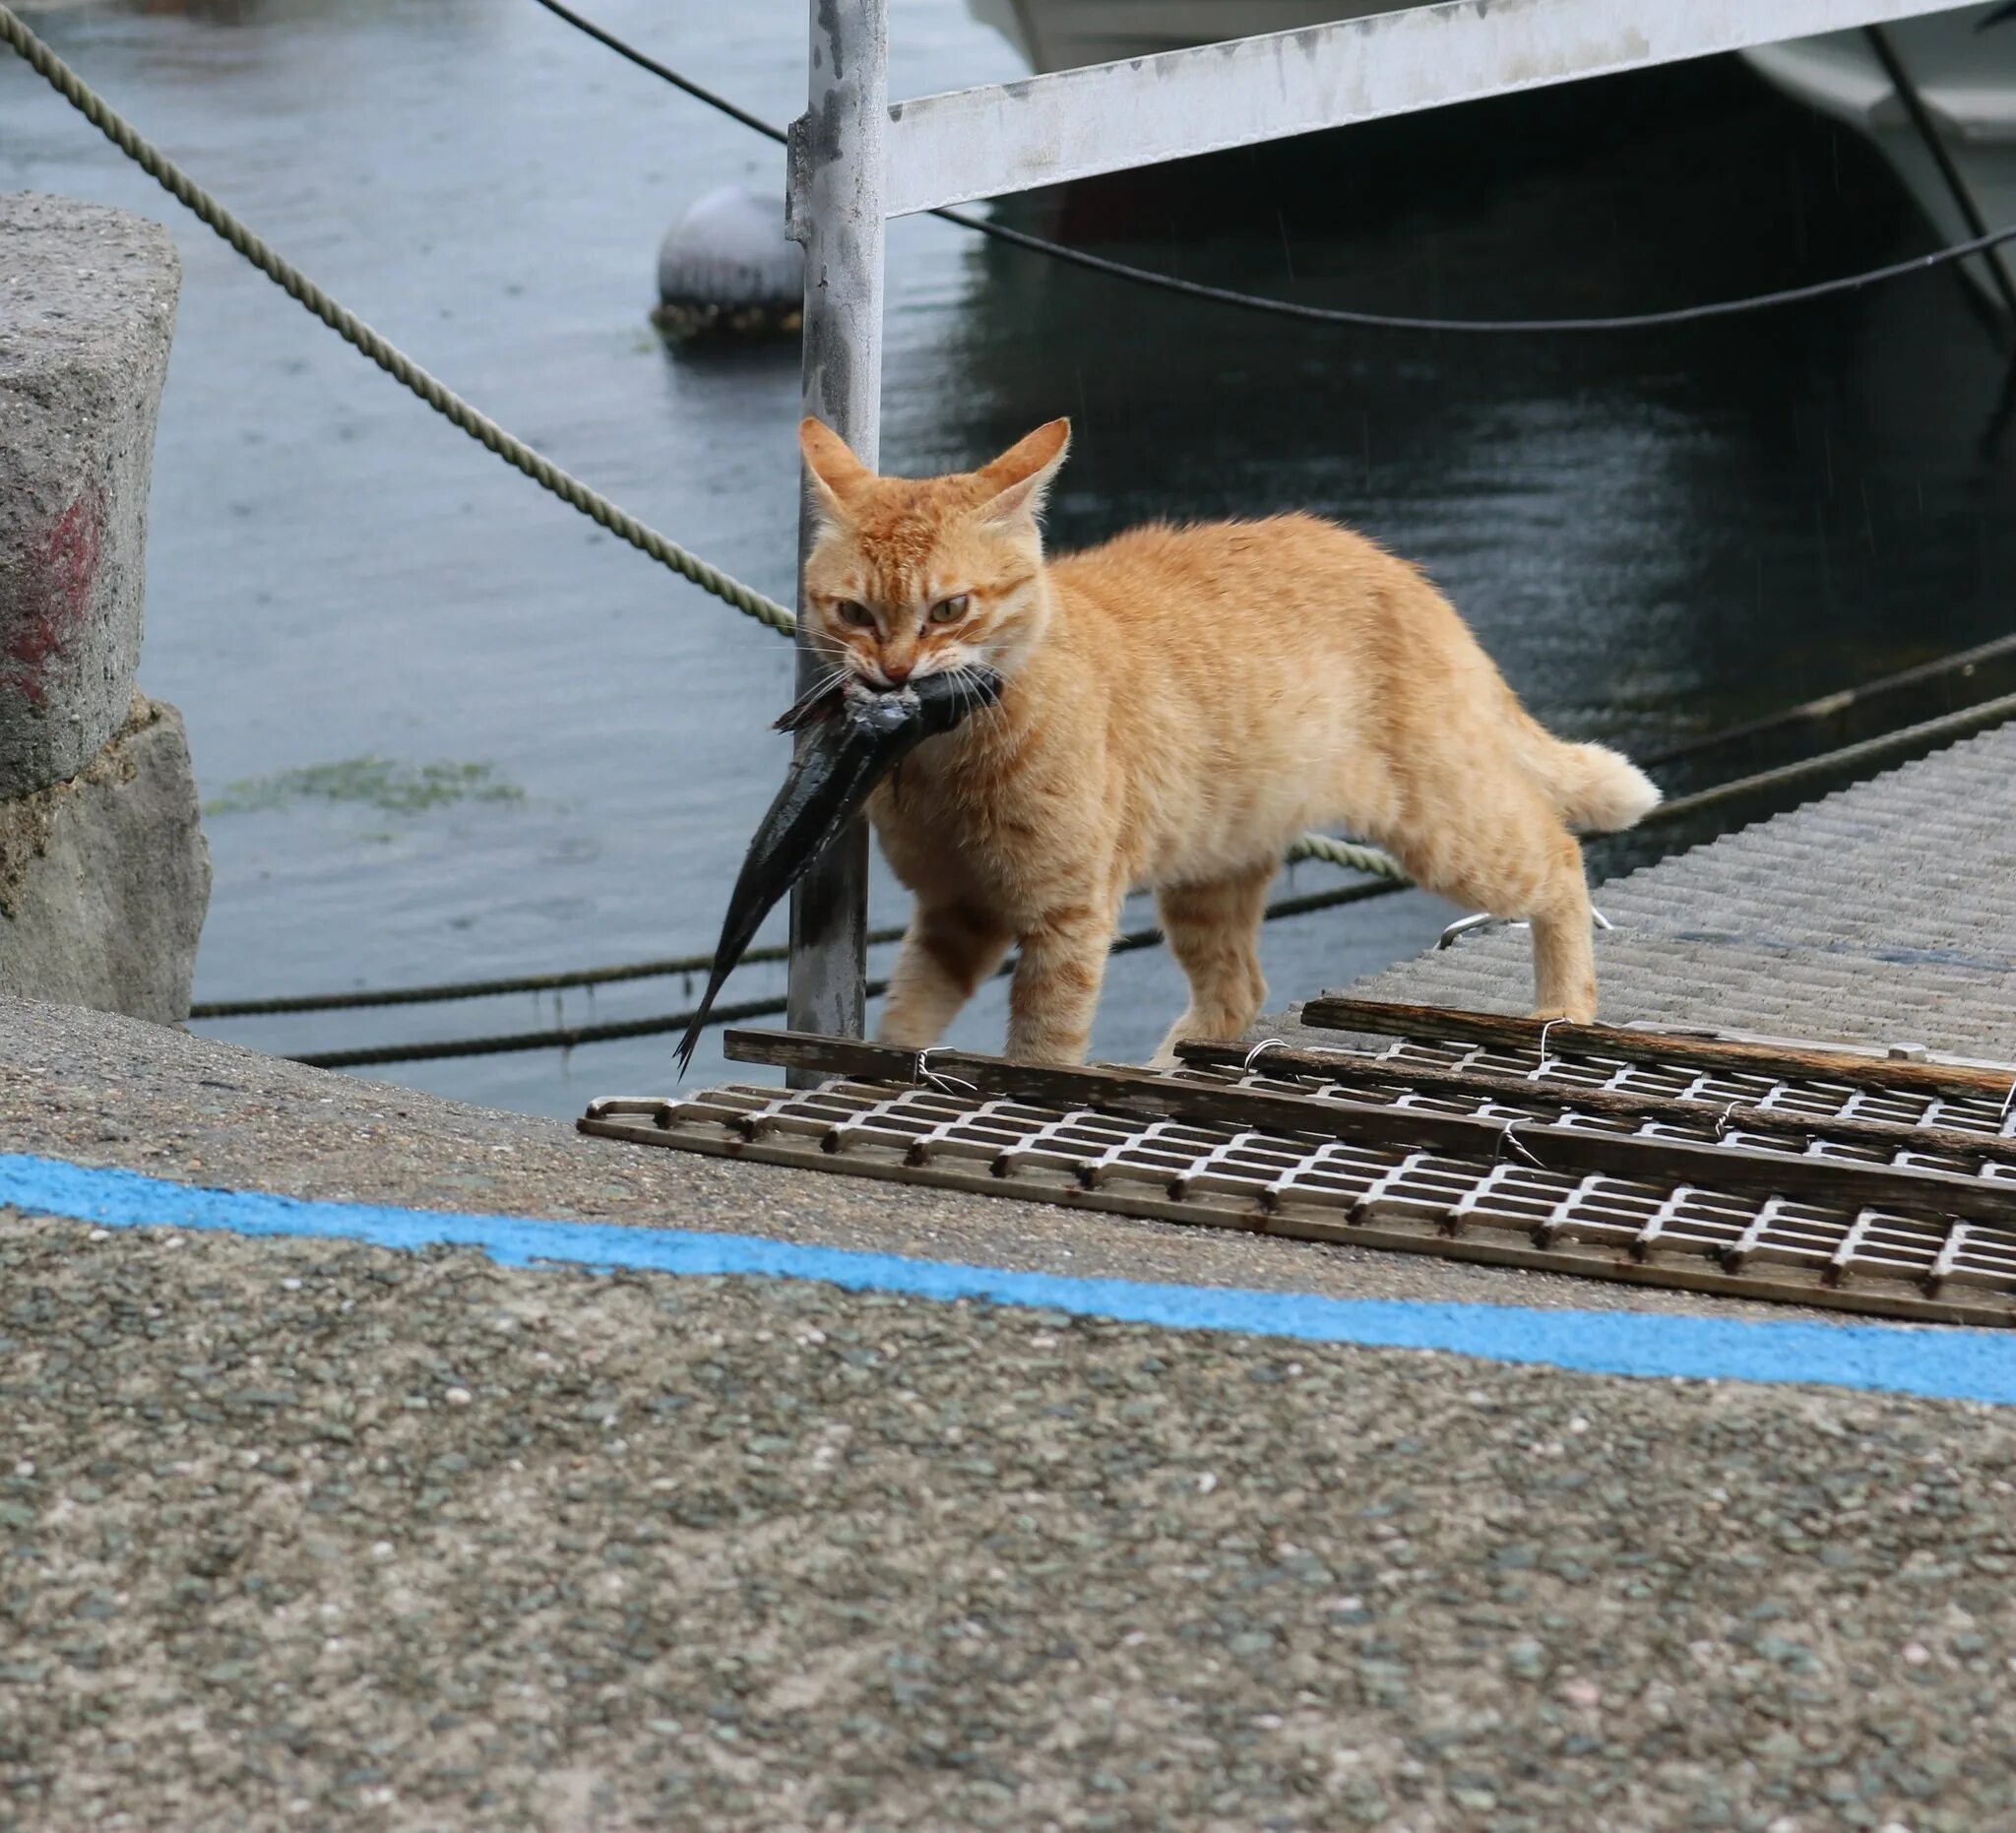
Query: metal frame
{"x":856,"y":159}
{"x":1489,"y":1125}
{"x":1565,"y":1157}
{"x":1108,"y":117}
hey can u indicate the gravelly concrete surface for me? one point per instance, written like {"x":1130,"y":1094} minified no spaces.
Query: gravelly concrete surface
{"x":101,"y":1090}
{"x":296,"y":1536}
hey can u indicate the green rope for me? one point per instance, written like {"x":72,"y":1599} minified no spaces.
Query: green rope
{"x":354,"y":332}
{"x":1349,"y":855}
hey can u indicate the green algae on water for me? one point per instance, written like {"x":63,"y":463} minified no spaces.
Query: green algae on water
{"x":381,"y":782}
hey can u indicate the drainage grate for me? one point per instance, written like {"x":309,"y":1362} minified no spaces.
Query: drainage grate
{"x":1649,"y":1171}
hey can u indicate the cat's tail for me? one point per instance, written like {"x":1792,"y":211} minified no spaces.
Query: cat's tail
{"x":1597,"y":790}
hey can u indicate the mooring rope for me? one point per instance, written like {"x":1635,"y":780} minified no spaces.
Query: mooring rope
{"x":394,"y":361}
{"x":566,"y":1038}
{"x":1322,"y":314}
{"x":443,"y":992}
{"x":443,"y":400}
{"x":1922,"y":737}
{"x":1829,"y":706}
{"x":1490,"y":326}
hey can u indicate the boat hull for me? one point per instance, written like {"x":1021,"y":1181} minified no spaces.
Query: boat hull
{"x":1966,"y":78}
{"x":1966,"y":81}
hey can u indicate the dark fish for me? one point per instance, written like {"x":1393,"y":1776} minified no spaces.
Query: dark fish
{"x":857,"y":739}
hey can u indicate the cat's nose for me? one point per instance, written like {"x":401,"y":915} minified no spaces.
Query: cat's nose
{"x":896,"y":672}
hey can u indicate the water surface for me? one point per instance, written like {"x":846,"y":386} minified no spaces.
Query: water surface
{"x":451,"y":730}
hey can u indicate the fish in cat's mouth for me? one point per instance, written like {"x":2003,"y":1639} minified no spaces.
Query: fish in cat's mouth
{"x":870,"y":679}
{"x":851,"y":737}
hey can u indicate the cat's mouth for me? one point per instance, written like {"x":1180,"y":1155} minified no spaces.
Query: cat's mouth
{"x":978,"y":682}
{"x":882,"y":680}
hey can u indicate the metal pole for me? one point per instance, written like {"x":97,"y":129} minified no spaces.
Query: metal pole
{"x":835,"y":211}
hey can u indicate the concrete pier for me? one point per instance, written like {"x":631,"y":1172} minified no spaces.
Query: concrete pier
{"x":104,"y":877}
{"x":305,"y":1530}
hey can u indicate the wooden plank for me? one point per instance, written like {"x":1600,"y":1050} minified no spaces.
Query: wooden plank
{"x":1658,"y":1162}
{"x":1356,"y":1071}
{"x":1787,"y":1063}
{"x":1007,"y":136}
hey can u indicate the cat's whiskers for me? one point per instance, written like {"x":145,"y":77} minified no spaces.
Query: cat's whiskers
{"x":966,"y":680}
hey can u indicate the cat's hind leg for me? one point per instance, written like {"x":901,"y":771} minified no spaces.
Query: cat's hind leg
{"x":1214,"y":931}
{"x":1563,"y":942}
{"x":1510,"y":854}
{"x":946,"y":952}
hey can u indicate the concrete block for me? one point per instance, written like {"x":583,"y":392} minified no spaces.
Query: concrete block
{"x":104,"y":880}
{"x":87,"y":310}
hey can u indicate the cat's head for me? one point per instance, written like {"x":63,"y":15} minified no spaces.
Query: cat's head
{"x":923,"y":576}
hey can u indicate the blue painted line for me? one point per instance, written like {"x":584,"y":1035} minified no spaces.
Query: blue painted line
{"x":1937,"y":1361}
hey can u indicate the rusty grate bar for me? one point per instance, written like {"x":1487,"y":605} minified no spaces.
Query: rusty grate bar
{"x":1393,"y":1199}
{"x":1367,"y":1147}
{"x":1488,"y":1130}
{"x":1810,"y":1062}
{"x":1954,"y":1136}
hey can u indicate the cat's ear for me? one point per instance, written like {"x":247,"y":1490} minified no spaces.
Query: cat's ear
{"x":834,"y":471}
{"x":1020,"y":477}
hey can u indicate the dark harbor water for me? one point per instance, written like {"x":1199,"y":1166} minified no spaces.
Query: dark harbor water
{"x":449,"y":730}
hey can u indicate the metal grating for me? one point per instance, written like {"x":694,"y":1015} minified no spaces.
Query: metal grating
{"x":1501,"y":1208}
{"x":1719,"y":1095}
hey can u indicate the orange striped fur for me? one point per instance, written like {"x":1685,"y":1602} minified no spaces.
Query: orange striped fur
{"x":1181,"y":703}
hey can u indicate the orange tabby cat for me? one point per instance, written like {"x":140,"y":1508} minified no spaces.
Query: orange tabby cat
{"x":1181,"y":704}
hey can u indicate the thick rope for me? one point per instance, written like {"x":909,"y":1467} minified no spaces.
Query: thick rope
{"x":1349,"y":855}
{"x":354,"y":332}
{"x":444,"y":401}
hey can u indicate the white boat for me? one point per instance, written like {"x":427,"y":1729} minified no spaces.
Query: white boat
{"x":1062,"y":34}
{"x":1963,"y":66}
{"x":1961,"y":62}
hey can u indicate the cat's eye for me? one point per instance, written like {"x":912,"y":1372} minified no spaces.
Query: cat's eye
{"x":851,"y":613}
{"x":949,"y":611}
